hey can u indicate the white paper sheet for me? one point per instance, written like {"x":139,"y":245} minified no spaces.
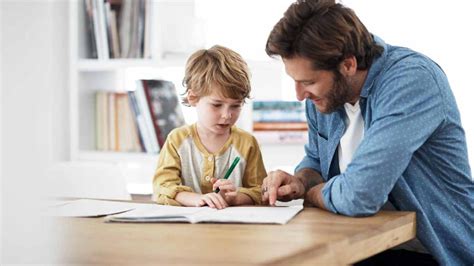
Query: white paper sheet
{"x":91,"y":208}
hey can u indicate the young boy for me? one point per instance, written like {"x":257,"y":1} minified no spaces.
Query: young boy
{"x":194,"y":158}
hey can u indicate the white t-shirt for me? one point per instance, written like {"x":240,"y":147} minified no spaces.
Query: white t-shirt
{"x":347,"y":146}
{"x":352,"y":135}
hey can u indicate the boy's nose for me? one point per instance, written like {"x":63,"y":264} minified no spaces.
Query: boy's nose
{"x":226,"y":115}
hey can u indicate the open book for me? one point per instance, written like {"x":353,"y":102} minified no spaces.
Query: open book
{"x":160,"y":213}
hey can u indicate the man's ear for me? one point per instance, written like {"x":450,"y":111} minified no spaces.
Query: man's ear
{"x":192,"y":98}
{"x":348,"y":66}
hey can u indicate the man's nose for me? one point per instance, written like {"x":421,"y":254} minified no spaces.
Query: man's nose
{"x":300,"y":93}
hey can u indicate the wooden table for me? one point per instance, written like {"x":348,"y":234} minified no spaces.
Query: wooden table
{"x":312,"y":237}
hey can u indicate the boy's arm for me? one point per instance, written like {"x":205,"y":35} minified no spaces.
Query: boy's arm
{"x":253,"y":175}
{"x":191,"y":199}
{"x":188,"y":199}
{"x":166,"y":181}
{"x":240,"y":199}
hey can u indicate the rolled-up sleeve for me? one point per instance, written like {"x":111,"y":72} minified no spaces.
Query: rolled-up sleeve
{"x":406,"y":109}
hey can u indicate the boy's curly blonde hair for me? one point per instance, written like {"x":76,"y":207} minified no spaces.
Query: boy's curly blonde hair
{"x":216,"y":68}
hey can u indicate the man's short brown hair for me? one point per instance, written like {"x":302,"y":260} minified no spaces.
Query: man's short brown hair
{"x":324,"y":32}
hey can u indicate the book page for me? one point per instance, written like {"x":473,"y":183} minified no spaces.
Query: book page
{"x":159,"y":213}
{"x":242,"y":214}
{"x":254,"y":215}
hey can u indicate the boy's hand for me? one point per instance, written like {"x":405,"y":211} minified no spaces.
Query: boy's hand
{"x":227,"y":188}
{"x":213,"y":200}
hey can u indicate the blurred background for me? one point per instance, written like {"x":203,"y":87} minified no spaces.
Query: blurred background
{"x":65,"y":65}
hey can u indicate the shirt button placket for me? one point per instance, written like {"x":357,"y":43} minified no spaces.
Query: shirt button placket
{"x":210,"y":168}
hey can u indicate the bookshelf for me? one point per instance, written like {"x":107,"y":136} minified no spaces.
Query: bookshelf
{"x":88,"y":75}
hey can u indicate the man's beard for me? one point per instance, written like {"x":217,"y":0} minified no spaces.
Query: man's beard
{"x":340,"y":94}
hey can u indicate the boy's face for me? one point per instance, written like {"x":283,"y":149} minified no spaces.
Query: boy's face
{"x":217,"y":114}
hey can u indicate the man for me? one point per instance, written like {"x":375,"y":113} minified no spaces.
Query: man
{"x":384,"y":128}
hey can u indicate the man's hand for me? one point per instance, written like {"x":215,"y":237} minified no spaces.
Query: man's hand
{"x":282,"y":186}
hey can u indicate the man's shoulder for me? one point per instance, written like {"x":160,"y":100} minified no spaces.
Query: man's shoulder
{"x":404,"y":59}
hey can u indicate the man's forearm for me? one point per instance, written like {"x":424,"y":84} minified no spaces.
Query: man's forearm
{"x":314,"y":196}
{"x":309,"y":178}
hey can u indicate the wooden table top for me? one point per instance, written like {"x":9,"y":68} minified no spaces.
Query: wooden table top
{"x":313,"y":236}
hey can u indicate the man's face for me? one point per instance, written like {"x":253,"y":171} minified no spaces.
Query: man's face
{"x":325,"y":89}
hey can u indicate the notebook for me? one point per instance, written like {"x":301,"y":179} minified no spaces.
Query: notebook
{"x":243,"y":214}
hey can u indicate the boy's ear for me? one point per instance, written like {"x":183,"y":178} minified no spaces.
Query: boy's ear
{"x":348,"y":66}
{"x":192,"y":98}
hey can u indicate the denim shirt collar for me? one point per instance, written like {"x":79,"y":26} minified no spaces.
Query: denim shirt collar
{"x":375,"y":68}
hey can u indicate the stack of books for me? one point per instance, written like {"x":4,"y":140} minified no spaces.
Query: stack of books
{"x":120,"y":28}
{"x":138,"y":120}
{"x":280,"y":122}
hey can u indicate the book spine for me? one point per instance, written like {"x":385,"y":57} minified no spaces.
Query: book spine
{"x":281,"y":137}
{"x":112,"y":122}
{"x":90,"y":28}
{"x":145,"y":111}
{"x":153,"y":112}
{"x":280,"y":126}
{"x":130,"y":136}
{"x":125,"y":27}
{"x":97,"y":31}
{"x":140,"y":122}
{"x":103,"y":29}
{"x":101,"y":121}
{"x":115,"y":34}
{"x":278,"y":111}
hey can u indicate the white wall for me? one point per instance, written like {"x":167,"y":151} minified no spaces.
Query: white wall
{"x":33,"y":110}
{"x":1,"y":143}
{"x":441,"y":30}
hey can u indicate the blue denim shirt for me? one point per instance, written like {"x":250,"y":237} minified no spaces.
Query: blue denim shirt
{"x":413,"y":154}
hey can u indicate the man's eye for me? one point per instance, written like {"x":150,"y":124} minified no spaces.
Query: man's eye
{"x":307,"y":83}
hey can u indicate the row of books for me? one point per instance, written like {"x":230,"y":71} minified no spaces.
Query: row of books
{"x":138,"y":120}
{"x":120,"y":28}
{"x":279,"y":122}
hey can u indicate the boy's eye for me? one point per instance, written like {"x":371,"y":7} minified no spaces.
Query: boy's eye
{"x":216,"y":104}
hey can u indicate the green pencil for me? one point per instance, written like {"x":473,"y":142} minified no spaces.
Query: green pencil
{"x":229,"y":171}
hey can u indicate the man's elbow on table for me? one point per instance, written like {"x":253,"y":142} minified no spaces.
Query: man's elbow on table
{"x":357,"y":206}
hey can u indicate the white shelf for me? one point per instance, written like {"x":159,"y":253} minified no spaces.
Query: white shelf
{"x":93,"y":65}
{"x":107,"y":156}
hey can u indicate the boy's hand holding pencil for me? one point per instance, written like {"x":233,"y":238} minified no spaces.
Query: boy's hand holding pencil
{"x":225,"y":187}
